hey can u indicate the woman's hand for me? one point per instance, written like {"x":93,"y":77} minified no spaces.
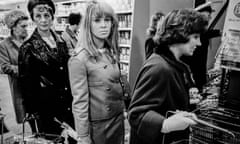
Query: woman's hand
{"x":179,"y":121}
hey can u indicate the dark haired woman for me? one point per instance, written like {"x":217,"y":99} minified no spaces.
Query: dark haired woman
{"x":163,"y":83}
{"x":43,"y":71}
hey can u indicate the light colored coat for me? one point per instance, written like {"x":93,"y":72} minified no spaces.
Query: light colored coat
{"x":9,"y":65}
{"x":97,"y":97}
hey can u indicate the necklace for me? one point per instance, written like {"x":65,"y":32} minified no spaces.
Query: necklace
{"x":50,"y":41}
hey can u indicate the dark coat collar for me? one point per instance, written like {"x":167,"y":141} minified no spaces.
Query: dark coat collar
{"x":180,"y":66}
{"x":36,"y":35}
{"x":43,"y":51}
{"x":170,"y":58}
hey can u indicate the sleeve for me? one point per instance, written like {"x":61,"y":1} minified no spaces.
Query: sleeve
{"x":29,"y":78}
{"x":79,"y":88}
{"x":67,"y":41}
{"x":148,"y":96}
{"x":5,"y":64}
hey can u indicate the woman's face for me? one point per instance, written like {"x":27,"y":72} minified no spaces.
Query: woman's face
{"x":101,"y":27}
{"x":42,"y":18}
{"x":189,"y":47}
{"x":20,"y":30}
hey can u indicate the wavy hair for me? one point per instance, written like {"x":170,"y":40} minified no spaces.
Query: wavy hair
{"x":153,"y":23}
{"x":99,"y":9}
{"x":179,"y":24}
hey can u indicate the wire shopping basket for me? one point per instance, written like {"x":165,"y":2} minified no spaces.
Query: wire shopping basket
{"x":228,"y":122}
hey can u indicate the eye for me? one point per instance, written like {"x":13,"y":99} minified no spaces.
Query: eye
{"x":47,"y":15}
{"x":96,"y":19}
{"x":38,"y":16}
{"x":196,"y":36}
{"x":107,"y":19}
{"x":24,"y":26}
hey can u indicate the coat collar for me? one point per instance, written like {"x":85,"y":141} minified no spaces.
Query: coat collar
{"x":180,"y":66}
{"x":170,"y":58}
{"x":43,"y":51}
{"x":9,"y":41}
{"x":36,"y":35}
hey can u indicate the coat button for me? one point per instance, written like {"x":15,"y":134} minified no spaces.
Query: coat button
{"x":61,"y":68}
{"x":105,"y":67}
{"x":108,"y":108}
{"x":65,"y":88}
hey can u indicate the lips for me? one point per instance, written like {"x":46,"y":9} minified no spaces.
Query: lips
{"x":104,"y":32}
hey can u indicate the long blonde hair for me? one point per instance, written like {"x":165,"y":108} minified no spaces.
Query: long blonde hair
{"x":99,"y":9}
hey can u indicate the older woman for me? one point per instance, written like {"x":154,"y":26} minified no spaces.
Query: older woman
{"x":43,"y":71}
{"x":16,"y":21}
{"x":163,"y":83}
{"x":94,"y":77}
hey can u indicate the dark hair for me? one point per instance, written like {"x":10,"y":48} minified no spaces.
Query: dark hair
{"x":179,"y":24}
{"x":207,"y":9}
{"x":151,"y":30}
{"x":32,"y":3}
{"x":74,"y":18}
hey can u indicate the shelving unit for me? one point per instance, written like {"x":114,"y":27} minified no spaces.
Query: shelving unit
{"x":124,"y":10}
{"x":125,"y":34}
{"x":4,"y":31}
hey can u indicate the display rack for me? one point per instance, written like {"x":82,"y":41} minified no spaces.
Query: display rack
{"x":63,"y":9}
{"x":4,"y":31}
{"x":125,"y":38}
{"x":124,"y":10}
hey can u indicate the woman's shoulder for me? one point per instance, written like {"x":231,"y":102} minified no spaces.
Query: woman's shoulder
{"x":27,"y":44}
{"x":6,"y":42}
{"x":157,"y":62}
{"x":156,"y":59}
{"x":80,"y":53}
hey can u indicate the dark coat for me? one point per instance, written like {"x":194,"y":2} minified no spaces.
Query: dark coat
{"x":44,"y":75}
{"x":9,"y":65}
{"x":161,"y":85}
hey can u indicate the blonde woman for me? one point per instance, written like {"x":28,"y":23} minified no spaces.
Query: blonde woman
{"x":94,"y":78}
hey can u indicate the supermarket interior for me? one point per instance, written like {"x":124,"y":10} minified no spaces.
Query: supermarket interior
{"x":110,"y":71}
